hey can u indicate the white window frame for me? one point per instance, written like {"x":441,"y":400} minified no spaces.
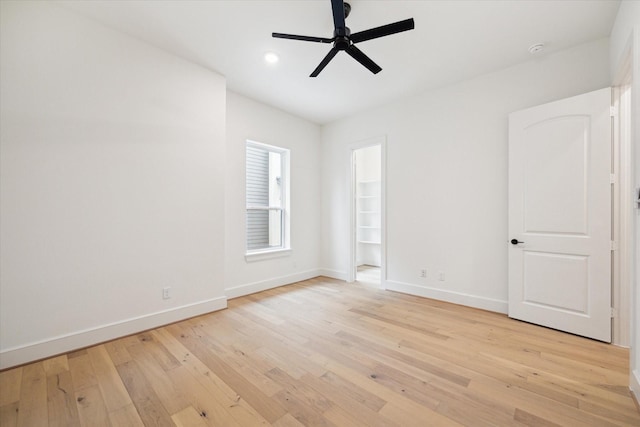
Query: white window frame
{"x":284,"y":249}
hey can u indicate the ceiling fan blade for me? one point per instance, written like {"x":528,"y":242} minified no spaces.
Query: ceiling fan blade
{"x":324,"y":62}
{"x":359,"y":56}
{"x":338,"y":13}
{"x":303,"y":38}
{"x":385,"y":30}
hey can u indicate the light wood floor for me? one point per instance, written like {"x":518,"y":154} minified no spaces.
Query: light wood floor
{"x":369,"y":275}
{"x":326,"y":353}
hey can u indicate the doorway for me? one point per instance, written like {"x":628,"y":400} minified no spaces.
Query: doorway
{"x":560,"y":218}
{"x":367,"y":209}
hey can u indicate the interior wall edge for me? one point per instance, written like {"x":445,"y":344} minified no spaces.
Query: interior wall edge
{"x":274,"y":282}
{"x":635,"y":384}
{"x":475,"y":301}
{"x":85,"y":338}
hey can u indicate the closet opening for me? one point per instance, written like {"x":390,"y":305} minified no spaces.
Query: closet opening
{"x":368,"y":214}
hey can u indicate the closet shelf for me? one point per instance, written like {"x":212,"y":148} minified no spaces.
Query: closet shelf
{"x":372,"y":227}
{"x":368,"y":212}
{"x":368,"y":242}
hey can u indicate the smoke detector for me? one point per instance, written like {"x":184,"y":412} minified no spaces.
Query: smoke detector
{"x":536,"y":48}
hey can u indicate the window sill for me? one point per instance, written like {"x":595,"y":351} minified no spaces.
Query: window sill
{"x":267,"y":254}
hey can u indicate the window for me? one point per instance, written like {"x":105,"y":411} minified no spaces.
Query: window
{"x":267,"y":198}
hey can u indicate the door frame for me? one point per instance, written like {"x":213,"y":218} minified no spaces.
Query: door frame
{"x":351,"y":206}
{"x":622,"y":255}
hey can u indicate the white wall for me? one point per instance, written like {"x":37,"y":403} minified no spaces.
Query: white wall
{"x":248,"y":119}
{"x":625,"y":37}
{"x":111,"y":181}
{"x":447,"y":175}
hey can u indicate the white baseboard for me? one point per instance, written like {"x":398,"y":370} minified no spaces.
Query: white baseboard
{"x":484,"y":303}
{"x":263,"y":285}
{"x":334,"y":274}
{"x":88,"y":337}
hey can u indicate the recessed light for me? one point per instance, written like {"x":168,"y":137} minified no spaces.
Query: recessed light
{"x":271,"y":58}
{"x":536,"y":48}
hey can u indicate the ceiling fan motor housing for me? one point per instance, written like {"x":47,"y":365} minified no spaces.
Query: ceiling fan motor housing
{"x":342,"y":41}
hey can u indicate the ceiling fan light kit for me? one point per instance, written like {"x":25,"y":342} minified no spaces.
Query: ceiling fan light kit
{"x":343,"y":39}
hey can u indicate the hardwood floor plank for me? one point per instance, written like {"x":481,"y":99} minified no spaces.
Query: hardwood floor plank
{"x":213,"y":411}
{"x":550,"y":385}
{"x":265,"y":406}
{"x":76,"y":353}
{"x":433,"y":369}
{"x":350,"y":401}
{"x":300,"y":410}
{"x":142,"y":395}
{"x":172,"y":399}
{"x":538,"y":405}
{"x":401,"y":324}
{"x":301,"y":390}
{"x":62,"y":408}
{"x":615,"y":414}
{"x":114,"y":393}
{"x":163,"y":357}
{"x":55,"y":365}
{"x":9,"y":415}
{"x":33,"y":396}
{"x":188,"y":417}
{"x":532,"y":420}
{"x":126,"y":416}
{"x":118,"y":351}
{"x":91,"y":407}
{"x":326,"y":353}
{"x":10,"y":383}
{"x":397,"y":402}
{"x":82,"y":373}
{"x":288,"y":421}
{"x":408,"y":416}
{"x":339,"y":417}
{"x":239,"y":409}
{"x":345,"y":391}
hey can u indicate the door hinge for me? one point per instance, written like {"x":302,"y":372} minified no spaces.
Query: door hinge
{"x":614,"y":313}
{"x":612,"y":178}
{"x":613,"y":111}
{"x":614,"y":245}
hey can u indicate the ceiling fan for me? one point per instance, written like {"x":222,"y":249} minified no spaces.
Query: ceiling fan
{"x":343,"y":39}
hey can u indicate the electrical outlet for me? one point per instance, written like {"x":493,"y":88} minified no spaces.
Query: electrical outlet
{"x":441,"y":276}
{"x":166,"y":293}
{"x":423,"y":272}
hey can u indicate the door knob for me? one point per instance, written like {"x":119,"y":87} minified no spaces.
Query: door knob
{"x":515,"y":241}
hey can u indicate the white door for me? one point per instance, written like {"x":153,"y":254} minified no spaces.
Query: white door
{"x":560,"y":215}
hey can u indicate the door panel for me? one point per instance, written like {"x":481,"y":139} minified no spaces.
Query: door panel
{"x":546,"y":273}
{"x":556,"y":183}
{"x":560,"y":211}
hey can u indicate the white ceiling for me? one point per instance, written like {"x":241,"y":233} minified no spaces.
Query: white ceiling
{"x":452,"y":41}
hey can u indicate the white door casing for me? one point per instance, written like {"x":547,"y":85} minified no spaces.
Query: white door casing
{"x":560,"y":209}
